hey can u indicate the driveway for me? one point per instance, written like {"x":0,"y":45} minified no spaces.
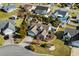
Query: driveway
{"x":26,"y":41}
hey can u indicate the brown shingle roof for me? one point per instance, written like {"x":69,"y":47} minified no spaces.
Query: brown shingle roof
{"x":27,"y":6}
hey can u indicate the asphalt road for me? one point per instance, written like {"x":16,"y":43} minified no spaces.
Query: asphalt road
{"x":13,"y":50}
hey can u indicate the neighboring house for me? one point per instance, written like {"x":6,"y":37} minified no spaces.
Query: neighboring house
{"x":71,"y":35}
{"x":9,"y":8}
{"x":74,"y":21}
{"x":7,"y":27}
{"x":61,"y":14}
{"x":42,"y":10}
{"x":2,"y":24}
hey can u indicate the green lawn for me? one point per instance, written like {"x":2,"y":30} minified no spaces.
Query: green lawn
{"x":73,"y":13}
{"x":4,"y":15}
{"x":70,"y":26}
{"x":1,"y":40}
{"x":61,"y":49}
{"x":54,"y":8}
{"x":18,"y":22}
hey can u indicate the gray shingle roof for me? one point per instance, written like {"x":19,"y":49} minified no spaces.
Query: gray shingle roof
{"x":9,"y":7}
{"x":62,"y":12}
{"x":11,"y":26}
{"x":72,"y":32}
{"x":41,"y":8}
{"x":9,"y":23}
{"x":3,"y":23}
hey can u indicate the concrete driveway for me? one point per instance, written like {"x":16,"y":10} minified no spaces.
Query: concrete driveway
{"x":26,"y":41}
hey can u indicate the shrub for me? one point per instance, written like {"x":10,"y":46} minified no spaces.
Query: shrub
{"x":30,"y":48}
{"x":44,"y":45}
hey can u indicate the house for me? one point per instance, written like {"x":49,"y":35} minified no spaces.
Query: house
{"x":43,"y":34}
{"x":33,"y":31}
{"x":74,"y":21}
{"x":44,"y":31}
{"x":71,"y":35}
{"x":39,"y":30}
{"x":7,"y":27}
{"x":69,"y":5}
{"x":9,"y":8}
{"x":61,"y":14}
{"x":42,"y":10}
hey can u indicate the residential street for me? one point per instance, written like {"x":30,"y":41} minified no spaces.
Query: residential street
{"x":14,"y":50}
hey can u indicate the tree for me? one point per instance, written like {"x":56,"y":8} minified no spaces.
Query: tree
{"x":44,"y":45}
{"x":50,"y":19}
{"x":55,"y":22}
{"x":23,"y":29}
{"x":67,"y":40}
{"x":31,"y":47}
{"x":75,"y":6}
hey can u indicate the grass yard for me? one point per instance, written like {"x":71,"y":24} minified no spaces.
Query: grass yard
{"x":4,"y":15}
{"x":73,"y":13}
{"x":61,"y":49}
{"x":61,"y":29}
{"x":18,"y":22}
{"x":54,"y":8}
{"x":1,"y":40}
{"x":70,"y":26}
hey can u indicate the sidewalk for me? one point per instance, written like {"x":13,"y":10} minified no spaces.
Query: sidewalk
{"x":75,"y":51}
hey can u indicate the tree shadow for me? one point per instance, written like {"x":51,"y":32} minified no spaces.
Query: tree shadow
{"x":59,"y":34}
